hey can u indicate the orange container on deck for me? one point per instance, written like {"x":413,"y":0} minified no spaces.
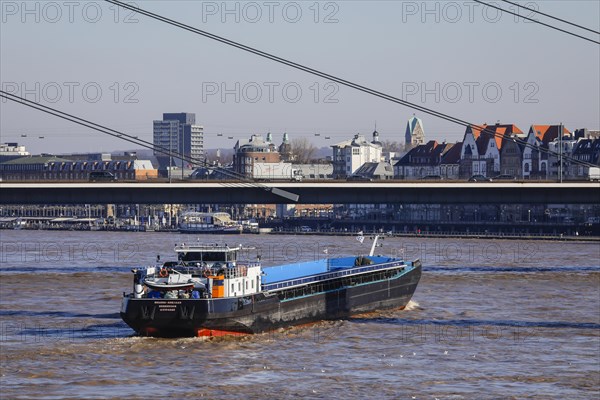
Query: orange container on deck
{"x":218,"y":286}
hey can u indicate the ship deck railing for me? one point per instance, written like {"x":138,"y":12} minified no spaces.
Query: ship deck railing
{"x":195,"y":267}
{"x":343,"y":271}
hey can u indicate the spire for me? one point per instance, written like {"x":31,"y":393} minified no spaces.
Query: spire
{"x":375,"y":136}
{"x":269,"y":137}
{"x":285,"y":138}
{"x":415,"y":134}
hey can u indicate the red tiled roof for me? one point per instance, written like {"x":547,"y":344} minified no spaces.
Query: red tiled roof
{"x":547,"y":133}
{"x":476,"y":131}
{"x":498,"y":131}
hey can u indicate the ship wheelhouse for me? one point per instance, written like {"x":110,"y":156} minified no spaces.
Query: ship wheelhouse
{"x":219,"y":269}
{"x":207,"y":255}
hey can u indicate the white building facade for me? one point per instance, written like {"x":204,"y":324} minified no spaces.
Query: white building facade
{"x":350,"y":155}
{"x":9,"y":151}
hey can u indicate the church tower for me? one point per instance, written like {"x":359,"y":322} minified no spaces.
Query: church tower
{"x":415,"y":134}
{"x":285,"y":149}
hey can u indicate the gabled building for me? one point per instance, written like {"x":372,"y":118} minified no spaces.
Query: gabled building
{"x":449,"y":166}
{"x":562,"y":146}
{"x":489,"y":144}
{"x":481,"y":151}
{"x":421,"y":161}
{"x":511,"y":157}
{"x":350,"y":155}
{"x":470,"y":163}
{"x":536,"y":158}
{"x":587,"y":151}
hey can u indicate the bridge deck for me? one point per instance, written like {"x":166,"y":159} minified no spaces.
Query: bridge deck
{"x":309,"y":193}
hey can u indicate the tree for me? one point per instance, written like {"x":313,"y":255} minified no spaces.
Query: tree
{"x":303,"y":150}
{"x":225,"y":156}
{"x":388,"y":145}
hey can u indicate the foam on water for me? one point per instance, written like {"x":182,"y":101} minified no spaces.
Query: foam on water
{"x":412,"y":305}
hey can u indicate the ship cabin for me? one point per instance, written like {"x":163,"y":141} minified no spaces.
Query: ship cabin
{"x":225,"y":275}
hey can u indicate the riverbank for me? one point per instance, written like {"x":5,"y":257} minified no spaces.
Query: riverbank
{"x":425,"y":234}
{"x":451,"y":235}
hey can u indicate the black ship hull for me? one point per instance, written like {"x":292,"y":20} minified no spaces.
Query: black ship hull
{"x":266,"y":312}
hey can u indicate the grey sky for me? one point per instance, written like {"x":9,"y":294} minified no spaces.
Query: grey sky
{"x":392,"y":46}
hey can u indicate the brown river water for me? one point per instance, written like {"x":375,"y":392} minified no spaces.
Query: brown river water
{"x":490,"y":319}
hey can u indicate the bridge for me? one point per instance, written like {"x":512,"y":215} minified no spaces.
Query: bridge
{"x":302,"y":193}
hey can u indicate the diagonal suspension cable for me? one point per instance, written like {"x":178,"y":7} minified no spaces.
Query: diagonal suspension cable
{"x":242,"y":180}
{"x":333,"y":78}
{"x":533,"y":20}
{"x":551,"y":16}
{"x":126,"y":137}
{"x":281,"y":60}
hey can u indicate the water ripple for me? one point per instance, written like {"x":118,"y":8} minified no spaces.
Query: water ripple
{"x":479,"y":322}
{"x":489,"y":269}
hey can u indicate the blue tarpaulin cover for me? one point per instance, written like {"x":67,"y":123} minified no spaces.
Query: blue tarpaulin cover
{"x":292,"y":271}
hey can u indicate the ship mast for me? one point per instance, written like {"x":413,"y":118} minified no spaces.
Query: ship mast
{"x":373,"y":246}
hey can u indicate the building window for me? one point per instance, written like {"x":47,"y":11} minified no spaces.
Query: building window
{"x":526,"y":167}
{"x":232,"y":288}
{"x":356,"y":152}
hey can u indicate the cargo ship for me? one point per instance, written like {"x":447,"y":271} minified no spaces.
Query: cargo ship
{"x":210,"y":291}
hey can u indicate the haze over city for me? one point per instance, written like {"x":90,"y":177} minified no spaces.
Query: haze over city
{"x":124,"y":70}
